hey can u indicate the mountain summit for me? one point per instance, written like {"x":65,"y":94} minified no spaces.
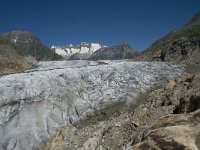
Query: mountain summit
{"x":81,"y":51}
{"x":28,"y":44}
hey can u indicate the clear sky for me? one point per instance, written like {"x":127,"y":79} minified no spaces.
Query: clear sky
{"x":60,"y":22}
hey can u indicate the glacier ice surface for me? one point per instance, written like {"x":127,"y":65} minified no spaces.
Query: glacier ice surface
{"x":34,"y":104}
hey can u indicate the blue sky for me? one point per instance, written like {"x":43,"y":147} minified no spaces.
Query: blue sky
{"x":110,"y":22}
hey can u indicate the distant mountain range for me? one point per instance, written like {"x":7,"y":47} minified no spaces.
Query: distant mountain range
{"x":180,"y":46}
{"x":121,"y":51}
{"x":95,"y":51}
{"x":82,"y":51}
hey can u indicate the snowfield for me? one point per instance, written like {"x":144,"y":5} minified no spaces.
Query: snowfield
{"x":34,"y":104}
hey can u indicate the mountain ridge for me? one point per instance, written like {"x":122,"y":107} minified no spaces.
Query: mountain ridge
{"x":76,"y":52}
{"x":120,"y":51}
{"x":20,"y":49}
{"x":180,"y":46}
{"x":28,"y":44}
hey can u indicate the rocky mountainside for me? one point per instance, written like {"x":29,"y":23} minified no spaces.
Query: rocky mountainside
{"x":10,"y":60}
{"x":182,"y":45}
{"x":19,"y":50}
{"x":166,"y":117}
{"x":122,"y":51}
{"x":26,"y":43}
{"x":36,"y":103}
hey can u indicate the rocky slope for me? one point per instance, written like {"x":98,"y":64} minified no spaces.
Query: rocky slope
{"x":19,"y":50}
{"x":10,"y":60}
{"x":167,"y":117}
{"x":35,"y":104}
{"x":182,"y":45}
{"x":122,"y":51}
{"x":177,"y":131}
{"x":26,"y":43}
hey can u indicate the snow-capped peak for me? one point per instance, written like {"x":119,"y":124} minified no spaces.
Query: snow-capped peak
{"x":84,"y":47}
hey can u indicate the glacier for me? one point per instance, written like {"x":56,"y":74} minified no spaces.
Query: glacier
{"x":36,"y":103}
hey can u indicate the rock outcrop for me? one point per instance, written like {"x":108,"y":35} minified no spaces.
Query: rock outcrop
{"x":177,"y":131}
{"x":179,"y":128}
{"x":35,"y":104}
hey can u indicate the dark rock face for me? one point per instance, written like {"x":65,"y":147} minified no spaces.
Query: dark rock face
{"x":181,"y":50}
{"x":122,"y":51}
{"x":180,"y":46}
